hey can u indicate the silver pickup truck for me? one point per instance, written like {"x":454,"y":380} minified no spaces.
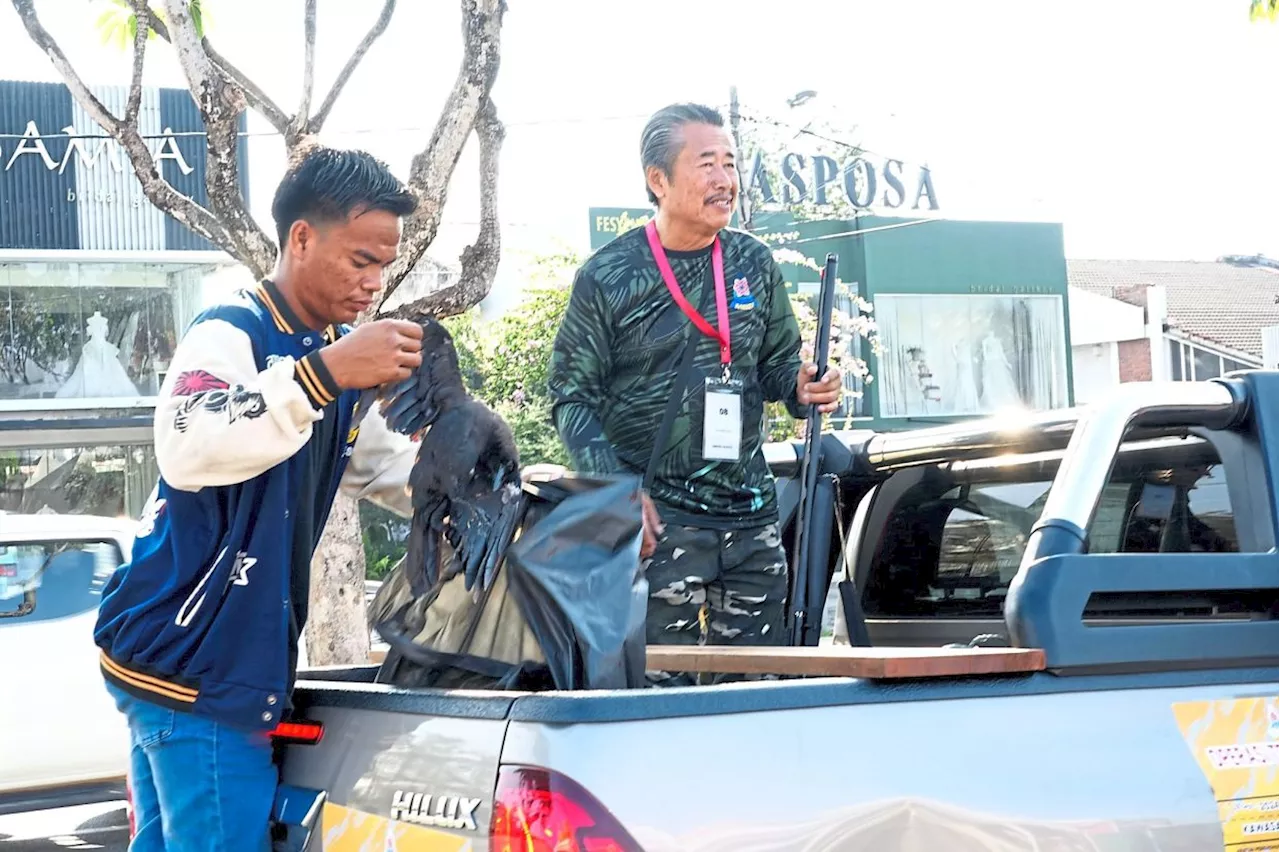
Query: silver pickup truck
{"x":1068,"y":642}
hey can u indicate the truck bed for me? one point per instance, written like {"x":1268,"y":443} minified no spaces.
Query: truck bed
{"x":955,"y":763}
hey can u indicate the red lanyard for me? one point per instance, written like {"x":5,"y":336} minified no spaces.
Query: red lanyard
{"x":722,"y":303}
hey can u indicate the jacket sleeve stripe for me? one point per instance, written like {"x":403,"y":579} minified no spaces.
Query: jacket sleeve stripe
{"x":316,"y":380}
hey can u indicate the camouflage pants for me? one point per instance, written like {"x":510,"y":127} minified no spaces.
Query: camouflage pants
{"x":717,"y":587}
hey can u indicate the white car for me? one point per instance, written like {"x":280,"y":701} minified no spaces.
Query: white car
{"x":62,"y":741}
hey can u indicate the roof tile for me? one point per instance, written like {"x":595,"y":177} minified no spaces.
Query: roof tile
{"x":1225,"y":303}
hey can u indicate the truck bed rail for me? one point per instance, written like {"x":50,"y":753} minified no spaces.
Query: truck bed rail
{"x":843,"y":661}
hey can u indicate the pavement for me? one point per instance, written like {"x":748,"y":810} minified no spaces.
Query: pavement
{"x":99,"y":827}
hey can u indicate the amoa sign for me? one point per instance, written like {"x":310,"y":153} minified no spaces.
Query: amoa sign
{"x":87,"y":150}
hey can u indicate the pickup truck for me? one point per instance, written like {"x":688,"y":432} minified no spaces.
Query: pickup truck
{"x":1064,"y":638}
{"x":62,"y":741}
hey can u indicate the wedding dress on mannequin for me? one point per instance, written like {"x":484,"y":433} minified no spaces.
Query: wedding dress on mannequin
{"x":99,"y":371}
{"x":998,"y":388}
{"x":965,"y":399}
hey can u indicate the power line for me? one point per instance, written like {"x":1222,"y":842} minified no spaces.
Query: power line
{"x":339,"y":132}
{"x":860,"y":231}
{"x":858,"y":149}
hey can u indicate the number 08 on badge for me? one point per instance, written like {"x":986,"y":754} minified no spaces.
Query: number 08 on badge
{"x":722,"y":422}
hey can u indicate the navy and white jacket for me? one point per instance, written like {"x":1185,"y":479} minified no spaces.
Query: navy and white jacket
{"x":253,"y":439}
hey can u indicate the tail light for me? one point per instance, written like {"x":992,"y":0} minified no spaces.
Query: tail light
{"x":302,"y":733}
{"x":537,"y":810}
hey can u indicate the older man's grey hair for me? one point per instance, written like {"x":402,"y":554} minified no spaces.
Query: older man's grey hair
{"x":661,"y":141}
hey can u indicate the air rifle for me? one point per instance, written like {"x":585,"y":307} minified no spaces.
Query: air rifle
{"x":810,"y":464}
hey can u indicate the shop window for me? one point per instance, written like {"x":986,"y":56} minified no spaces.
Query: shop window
{"x":1190,"y":363}
{"x":1176,"y":371}
{"x":92,"y":330}
{"x":110,"y":481}
{"x":1208,"y":365}
{"x":969,"y":354}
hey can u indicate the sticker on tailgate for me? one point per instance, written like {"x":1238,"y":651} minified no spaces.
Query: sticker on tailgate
{"x":1236,"y":743}
{"x":349,"y":830}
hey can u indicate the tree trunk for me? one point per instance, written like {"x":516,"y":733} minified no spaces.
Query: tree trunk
{"x":337,"y":627}
{"x":337,"y":632}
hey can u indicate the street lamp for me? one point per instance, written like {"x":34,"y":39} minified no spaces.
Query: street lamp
{"x":801,"y":98}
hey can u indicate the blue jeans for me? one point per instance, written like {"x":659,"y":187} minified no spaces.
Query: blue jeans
{"x":197,"y":784}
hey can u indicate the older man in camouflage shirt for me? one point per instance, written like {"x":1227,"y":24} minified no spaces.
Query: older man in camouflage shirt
{"x":718,"y":572}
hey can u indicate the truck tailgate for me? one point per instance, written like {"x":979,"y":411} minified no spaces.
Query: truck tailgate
{"x":1040,"y":762}
{"x":401,"y":769}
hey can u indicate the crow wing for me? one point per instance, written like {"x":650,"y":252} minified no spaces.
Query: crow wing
{"x":465,"y":480}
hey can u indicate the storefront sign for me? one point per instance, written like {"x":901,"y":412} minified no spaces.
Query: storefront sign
{"x":865,"y":182}
{"x":65,"y":185}
{"x":1015,"y":289}
{"x":609,"y":223}
{"x":32,"y":143}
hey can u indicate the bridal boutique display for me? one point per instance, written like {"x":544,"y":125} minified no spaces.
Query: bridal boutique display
{"x":969,"y":354}
{"x":965,"y":394}
{"x":99,"y":371}
{"x":998,"y":388}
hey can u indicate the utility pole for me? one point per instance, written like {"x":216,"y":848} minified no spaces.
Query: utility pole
{"x":744,"y":204}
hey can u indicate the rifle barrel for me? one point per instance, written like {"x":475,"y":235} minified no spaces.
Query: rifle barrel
{"x":810,"y":463}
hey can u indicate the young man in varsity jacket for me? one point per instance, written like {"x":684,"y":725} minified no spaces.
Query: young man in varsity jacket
{"x":253,"y":436}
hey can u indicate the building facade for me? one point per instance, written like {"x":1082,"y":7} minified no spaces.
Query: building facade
{"x":1170,"y":320}
{"x":971,"y":317}
{"x":96,"y":286}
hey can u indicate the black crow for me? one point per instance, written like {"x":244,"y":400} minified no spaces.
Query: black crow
{"x":465,"y":483}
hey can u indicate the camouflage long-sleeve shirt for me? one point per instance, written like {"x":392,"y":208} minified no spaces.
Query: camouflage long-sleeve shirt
{"x":616,"y":361}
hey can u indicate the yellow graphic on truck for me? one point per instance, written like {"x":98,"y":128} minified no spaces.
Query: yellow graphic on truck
{"x":349,"y":830}
{"x":1236,"y":742}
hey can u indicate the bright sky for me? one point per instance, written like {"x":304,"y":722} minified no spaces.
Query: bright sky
{"x":1148,"y":129}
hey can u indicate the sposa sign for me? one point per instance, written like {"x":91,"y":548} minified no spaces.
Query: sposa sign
{"x":812,"y":178}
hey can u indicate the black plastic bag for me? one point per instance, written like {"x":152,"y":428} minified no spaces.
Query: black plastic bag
{"x":575,"y":573}
{"x":566,"y":608}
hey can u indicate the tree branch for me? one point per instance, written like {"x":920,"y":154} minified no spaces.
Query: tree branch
{"x":158,"y":191}
{"x":379,"y":27}
{"x":142,"y":31}
{"x":480,"y":259}
{"x":253,"y":93}
{"x":308,"y":64}
{"x":256,"y":97}
{"x":432,"y":168}
{"x":220,"y":102}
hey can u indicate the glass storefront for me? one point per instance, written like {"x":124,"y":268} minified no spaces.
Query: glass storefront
{"x":112,"y":481}
{"x":93,"y":330}
{"x":1191,"y":363}
{"x":951,"y":355}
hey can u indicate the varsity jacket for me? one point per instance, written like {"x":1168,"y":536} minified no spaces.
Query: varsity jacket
{"x":253,"y":439}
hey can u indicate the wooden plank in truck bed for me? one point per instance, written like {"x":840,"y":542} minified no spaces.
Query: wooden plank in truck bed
{"x":844,"y":661}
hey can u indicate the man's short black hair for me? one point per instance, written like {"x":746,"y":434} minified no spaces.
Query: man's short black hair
{"x":660,"y":142}
{"x":328,"y":185}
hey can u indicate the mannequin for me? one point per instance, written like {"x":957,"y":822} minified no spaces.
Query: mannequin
{"x":965,"y":396}
{"x":998,"y":388}
{"x":98,"y":372}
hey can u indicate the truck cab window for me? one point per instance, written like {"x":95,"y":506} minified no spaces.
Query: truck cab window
{"x":953,"y":543}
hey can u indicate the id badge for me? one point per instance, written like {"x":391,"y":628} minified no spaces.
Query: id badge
{"x":722,"y":421}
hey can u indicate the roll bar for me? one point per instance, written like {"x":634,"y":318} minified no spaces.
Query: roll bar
{"x":1057,"y":578}
{"x":1090,"y":454}
{"x":1166,"y":410}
